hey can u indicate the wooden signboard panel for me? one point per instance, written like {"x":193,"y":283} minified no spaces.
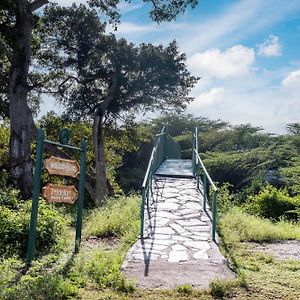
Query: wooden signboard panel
{"x":60,"y":193}
{"x":60,"y":166}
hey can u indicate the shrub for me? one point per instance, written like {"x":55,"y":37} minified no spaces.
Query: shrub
{"x":185,"y":289}
{"x":273,"y":203}
{"x":14,"y":225}
{"x":221,"y":288}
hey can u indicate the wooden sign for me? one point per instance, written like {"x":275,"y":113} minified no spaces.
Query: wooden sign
{"x":60,"y":166}
{"x":60,"y":193}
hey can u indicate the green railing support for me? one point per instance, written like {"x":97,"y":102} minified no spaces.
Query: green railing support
{"x":204,"y":192}
{"x":214,"y":225}
{"x":80,"y":194}
{"x":35,"y":195}
{"x":206,"y":182}
{"x":142,"y":213}
{"x":164,"y":147}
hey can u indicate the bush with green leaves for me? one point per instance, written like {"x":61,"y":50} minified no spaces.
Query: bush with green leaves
{"x":273,"y":204}
{"x":14,"y":225}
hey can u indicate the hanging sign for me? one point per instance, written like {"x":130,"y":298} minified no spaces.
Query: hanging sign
{"x":61,"y":166}
{"x":60,"y":193}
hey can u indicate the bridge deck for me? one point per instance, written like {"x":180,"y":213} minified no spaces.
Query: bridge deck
{"x":177,"y":247}
{"x":178,"y":168}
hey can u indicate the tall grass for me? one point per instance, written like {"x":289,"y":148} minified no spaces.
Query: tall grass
{"x":238,"y":226}
{"x":120,"y":218}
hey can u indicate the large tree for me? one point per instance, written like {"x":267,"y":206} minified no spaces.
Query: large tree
{"x":17,"y":19}
{"x":101,"y":78}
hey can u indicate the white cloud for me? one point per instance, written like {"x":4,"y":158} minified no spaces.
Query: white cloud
{"x":270,"y":47}
{"x":292,"y":81}
{"x":206,"y":99}
{"x":233,"y":62}
{"x":69,"y":2}
{"x":129,"y":29}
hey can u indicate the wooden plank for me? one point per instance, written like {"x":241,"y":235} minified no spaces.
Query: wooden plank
{"x":60,"y":193}
{"x":60,"y":166}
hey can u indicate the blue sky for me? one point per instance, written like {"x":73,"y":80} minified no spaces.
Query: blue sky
{"x":247,"y":53}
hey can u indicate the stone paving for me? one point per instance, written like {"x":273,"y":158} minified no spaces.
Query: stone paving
{"x":177,"y":231}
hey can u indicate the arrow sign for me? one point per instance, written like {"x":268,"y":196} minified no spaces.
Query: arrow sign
{"x":60,"y":166}
{"x":60,"y":193}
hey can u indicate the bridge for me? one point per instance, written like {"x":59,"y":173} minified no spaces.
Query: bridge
{"x":178,"y":243}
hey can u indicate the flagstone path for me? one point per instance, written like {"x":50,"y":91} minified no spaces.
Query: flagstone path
{"x":177,"y":247}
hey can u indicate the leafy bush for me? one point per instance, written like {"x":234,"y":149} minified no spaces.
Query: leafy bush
{"x":4,"y":145}
{"x":14,"y":225}
{"x":273,"y":203}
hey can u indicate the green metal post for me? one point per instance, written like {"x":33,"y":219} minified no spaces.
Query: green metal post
{"x":35,"y":195}
{"x":214,"y":216}
{"x":80,"y":194}
{"x":204,"y":192}
{"x":142,"y":213}
{"x":198,"y":181}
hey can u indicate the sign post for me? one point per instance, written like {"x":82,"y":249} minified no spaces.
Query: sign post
{"x":35,"y":194}
{"x":57,"y":193}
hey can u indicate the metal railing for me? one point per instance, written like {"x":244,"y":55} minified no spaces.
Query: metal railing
{"x":164,"y":147}
{"x":200,"y":170}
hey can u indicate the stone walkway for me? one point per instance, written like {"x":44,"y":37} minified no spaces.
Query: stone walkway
{"x":177,"y":247}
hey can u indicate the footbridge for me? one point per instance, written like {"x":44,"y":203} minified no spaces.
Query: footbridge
{"x":178,"y":243}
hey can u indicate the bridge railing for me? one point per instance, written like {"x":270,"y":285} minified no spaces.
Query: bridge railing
{"x":156,"y":158}
{"x":164,"y":147}
{"x":200,"y":170}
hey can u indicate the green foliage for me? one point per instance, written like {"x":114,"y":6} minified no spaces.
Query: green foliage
{"x":225,"y":199}
{"x":14,"y":224}
{"x":119,"y":218}
{"x":221,"y":288}
{"x":4,"y":146}
{"x":44,"y":286}
{"x":273,"y":203}
{"x":185,"y":289}
{"x":105,"y":268}
{"x":237,"y":225}
{"x":238,"y":168}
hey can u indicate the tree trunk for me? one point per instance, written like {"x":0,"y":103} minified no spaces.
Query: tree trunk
{"x":100,"y":166}
{"x":20,"y":114}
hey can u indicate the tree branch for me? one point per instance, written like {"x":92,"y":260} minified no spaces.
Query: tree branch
{"x":37,"y":4}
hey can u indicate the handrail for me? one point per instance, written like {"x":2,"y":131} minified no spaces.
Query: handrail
{"x":205,"y":171}
{"x":148,"y":168}
{"x":151,"y":168}
{"x":196,"y":161}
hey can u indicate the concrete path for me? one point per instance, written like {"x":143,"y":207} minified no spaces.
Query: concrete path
{"x":177,"y":248}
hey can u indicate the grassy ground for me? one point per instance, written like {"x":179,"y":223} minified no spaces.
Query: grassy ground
{"x":109,"y":232}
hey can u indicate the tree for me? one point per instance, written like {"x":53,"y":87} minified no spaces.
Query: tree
{"x":17,"y":19}
{"x":293,"y":128}
{"x":104,"y":79}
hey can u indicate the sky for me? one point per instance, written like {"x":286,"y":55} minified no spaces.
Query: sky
{"x":247,"y":53}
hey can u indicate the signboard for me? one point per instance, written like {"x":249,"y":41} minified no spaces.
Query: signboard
{"x":60,"y":193}
{"x":53,"y":192}
{"x":61,"y":166}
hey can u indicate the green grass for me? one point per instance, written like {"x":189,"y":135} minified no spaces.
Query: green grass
{"x":120,"y":218}
{"x":238,"y":226}
{"x":260,"y":275}
{"x":97,"y":266}
{"x":95,"y":273}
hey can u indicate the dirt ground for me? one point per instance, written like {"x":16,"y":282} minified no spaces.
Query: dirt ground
{"x":280,"y":249}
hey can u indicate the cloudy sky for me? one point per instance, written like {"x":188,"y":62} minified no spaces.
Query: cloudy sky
{"x":247,"y":53}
